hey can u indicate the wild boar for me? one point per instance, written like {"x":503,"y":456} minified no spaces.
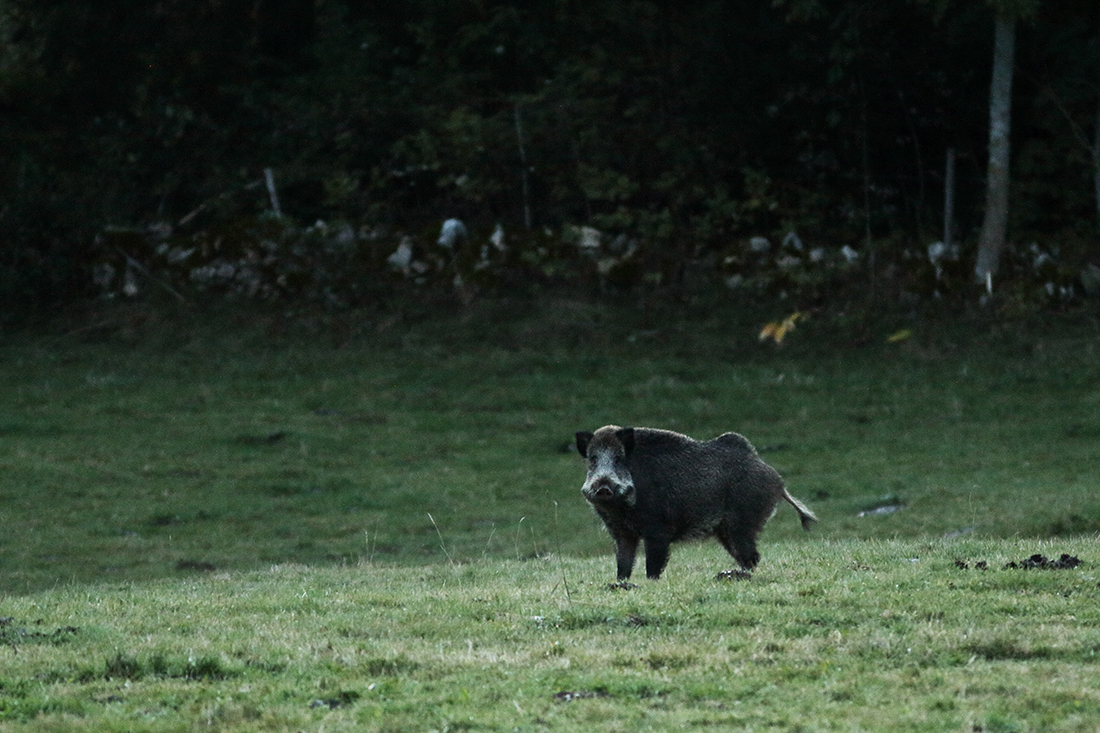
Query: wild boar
{"x":662,"y":487}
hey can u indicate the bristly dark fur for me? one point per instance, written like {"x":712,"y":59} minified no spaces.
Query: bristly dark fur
{"x":662,"y":487}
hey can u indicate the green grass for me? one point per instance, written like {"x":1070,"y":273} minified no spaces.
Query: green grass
{"x":372,"y":521}
{"x":834,"y":635}
{"x":196,"y":443}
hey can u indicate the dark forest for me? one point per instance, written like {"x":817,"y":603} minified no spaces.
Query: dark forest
{"x":315,"y":148}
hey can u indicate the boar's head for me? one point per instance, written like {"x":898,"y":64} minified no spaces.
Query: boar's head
{"x":608,"y":481}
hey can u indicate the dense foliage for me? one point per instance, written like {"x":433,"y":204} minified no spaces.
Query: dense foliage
{"x":677,"y":130}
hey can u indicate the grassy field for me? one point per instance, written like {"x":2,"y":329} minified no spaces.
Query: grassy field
{"x":373,"y":521}
{"x":874,"y":635}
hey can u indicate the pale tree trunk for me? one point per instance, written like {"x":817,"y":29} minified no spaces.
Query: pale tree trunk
{"x":992,"y":239}
{"x":1096,"y":163}
{"x":949,"y":199}
{"x":1096,"y":153}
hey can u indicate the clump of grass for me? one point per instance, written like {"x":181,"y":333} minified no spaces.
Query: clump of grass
{"x":126,"y":667}
{"x":123,"y":667}
{"x":207,"y":667}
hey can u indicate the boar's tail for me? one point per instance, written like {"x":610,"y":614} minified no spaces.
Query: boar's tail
{"x":804,"y":514}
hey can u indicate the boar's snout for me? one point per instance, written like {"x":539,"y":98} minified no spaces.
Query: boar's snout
{"x":601,"y":488}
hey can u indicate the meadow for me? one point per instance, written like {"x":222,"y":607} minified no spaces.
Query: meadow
{"x":249,"y":520}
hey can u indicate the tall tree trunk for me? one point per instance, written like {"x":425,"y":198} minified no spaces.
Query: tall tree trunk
{"x":1096,"y":162}
{"x":992,"y":239}
{"x":1096,"y":152}
{"x":949,"y":199}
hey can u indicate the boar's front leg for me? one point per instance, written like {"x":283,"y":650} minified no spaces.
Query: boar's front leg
{"x":656,"y":556}
{"x":626,"y":546}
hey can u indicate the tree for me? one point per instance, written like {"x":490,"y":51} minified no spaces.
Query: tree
{"x":992,"y":239}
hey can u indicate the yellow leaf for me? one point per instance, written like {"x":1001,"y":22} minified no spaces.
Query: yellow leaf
{"x":901,"y":335}
{"x":777,"y":330}
{"x":781,"y":331}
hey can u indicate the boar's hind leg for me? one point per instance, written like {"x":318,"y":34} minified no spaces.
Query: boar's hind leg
{"x":656,"y":556}
{"x":739,"y":541}
{"x":625,"y":548}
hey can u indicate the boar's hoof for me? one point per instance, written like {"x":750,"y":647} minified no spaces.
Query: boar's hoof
{"x":735,"y":574}
{"x":620,"y":585}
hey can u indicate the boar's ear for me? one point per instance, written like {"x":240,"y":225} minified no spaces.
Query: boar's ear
{"x":626,"y":437}
{"x":583,"y":439}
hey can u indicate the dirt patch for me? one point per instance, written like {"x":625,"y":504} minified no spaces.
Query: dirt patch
{"x":1035,"y":562}
{"x":964,"y":565}
{"x":1039,"y":562}
{"x":343,"y":699}
{"x":14,"y":636}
